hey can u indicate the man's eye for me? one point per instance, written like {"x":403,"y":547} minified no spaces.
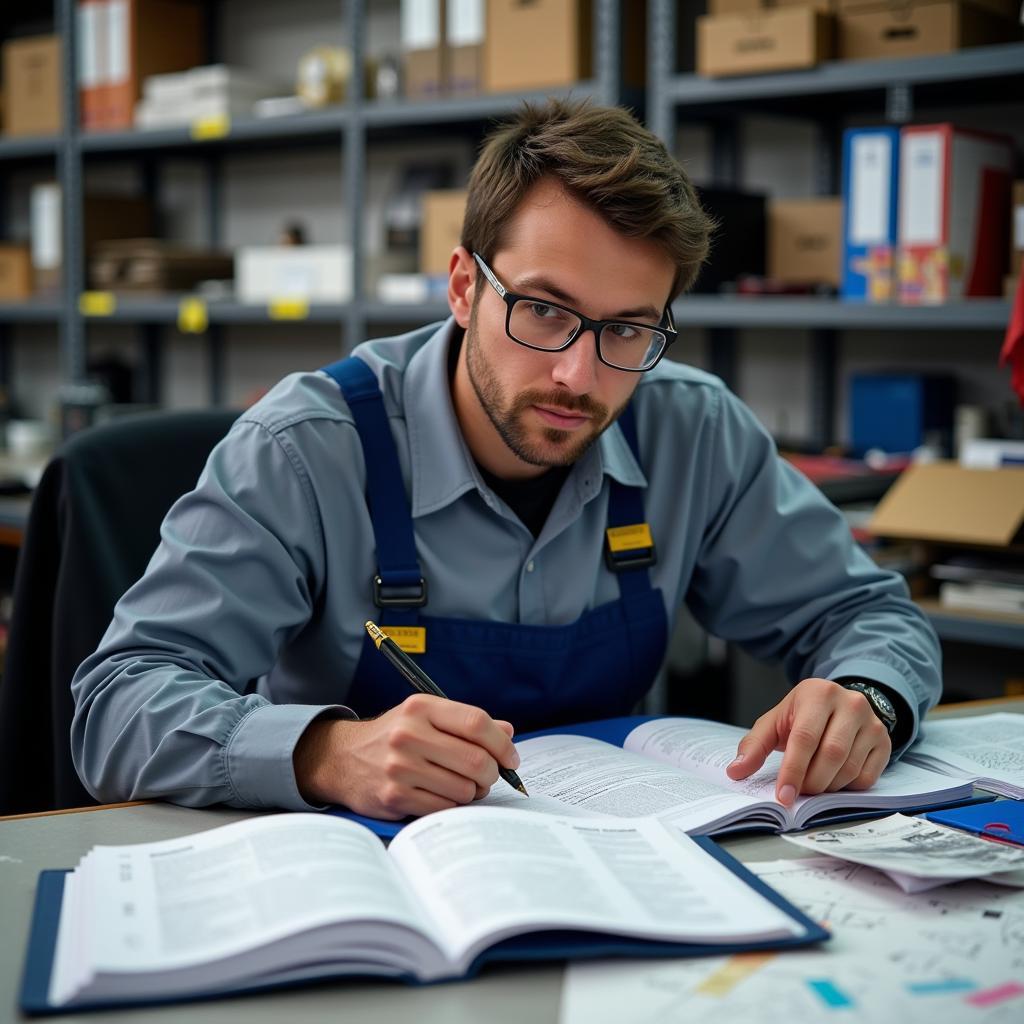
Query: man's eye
{"x":623,"y":331}
{"x":543,"y":311}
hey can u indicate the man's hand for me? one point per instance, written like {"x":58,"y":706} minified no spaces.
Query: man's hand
{"x":831,"y":737}
{"x":425,"y":755}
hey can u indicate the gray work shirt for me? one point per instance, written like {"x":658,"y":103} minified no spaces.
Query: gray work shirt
{"x":248,"y":623}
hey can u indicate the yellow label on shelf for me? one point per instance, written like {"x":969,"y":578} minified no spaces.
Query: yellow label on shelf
{"x":215,"y":127}
{"x":97,"y":303}
{"x":629,"y":538}
{"x":288,"y":309}
{"x":192,"y":316}
{"x":412,"y":639}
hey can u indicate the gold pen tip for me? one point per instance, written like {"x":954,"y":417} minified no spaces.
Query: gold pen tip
{"x":522,"y":789}
{"x":376,"y":633}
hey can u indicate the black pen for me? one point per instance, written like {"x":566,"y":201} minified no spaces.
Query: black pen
{"x":419,"y":680}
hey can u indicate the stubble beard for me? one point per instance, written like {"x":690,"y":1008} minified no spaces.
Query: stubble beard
{"x":561,"y":447}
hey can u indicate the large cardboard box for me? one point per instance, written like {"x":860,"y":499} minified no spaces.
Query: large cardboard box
{"x":775,"y":40}
{"x":719,"y":7}
{"x":1017,"y":230}
{"x":805,"y":240}
{"x":32,"y":86}
{"x":947,"y":503}
{"x":913,"y":29}
{"x":423,"y":51}
{"x":443,"y":213}
{"x":15,"y":272}
{"x":537,"y":44}
{"x":1006,"y":9}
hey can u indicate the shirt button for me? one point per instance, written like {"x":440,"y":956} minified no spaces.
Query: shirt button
{"x":529,"y":565}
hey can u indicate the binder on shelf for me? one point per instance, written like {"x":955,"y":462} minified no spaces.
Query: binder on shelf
{"x":870,"y":187}
{"x":143,"y":38}
{"x":954,"y":213}
{"x":92,"y":62}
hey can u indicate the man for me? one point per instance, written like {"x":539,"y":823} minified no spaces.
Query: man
{"x":457,"y":483}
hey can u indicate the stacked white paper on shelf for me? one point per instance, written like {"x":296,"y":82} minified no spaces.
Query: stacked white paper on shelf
{"x":215,"y":90}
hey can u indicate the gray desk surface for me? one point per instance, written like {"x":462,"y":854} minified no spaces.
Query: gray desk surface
{"x":519,"y":994}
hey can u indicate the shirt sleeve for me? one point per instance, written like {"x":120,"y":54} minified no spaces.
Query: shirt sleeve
{"x":165,"y":706}
{"x":779,"y":573}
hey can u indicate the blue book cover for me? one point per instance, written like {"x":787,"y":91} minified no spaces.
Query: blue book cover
{"x":870,"y":189}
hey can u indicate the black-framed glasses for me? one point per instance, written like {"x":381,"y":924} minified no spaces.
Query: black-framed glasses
{"x":551,"y":327}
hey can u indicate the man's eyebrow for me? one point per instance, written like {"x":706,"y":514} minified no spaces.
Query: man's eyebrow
{"x":536,"y":283}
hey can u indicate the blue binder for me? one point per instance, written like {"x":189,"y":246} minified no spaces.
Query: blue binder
{"x":870,"y":188}
{"x":539,"y":946}
{"x":1002,"y":820}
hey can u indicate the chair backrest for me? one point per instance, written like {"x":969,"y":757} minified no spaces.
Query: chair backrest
{"x":94,"y":523}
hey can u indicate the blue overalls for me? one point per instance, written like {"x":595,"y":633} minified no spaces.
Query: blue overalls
{"x":532,"y":676}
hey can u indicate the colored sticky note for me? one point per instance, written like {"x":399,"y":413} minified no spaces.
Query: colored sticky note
{"x":999,"y":994}
{"x":829,"y":993}
{"x":732,"y":972}
{"x":941,"y":987}
{"x":215,"y":127}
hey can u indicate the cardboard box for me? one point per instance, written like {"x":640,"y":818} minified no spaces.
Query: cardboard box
{"x":537,"y":44}
{"x":15,"y":272}
{"x":1005,"y":9}
{"x":103,"y":218}
{"x":720,"y":7}
{"x":947,"y":503}
{"x":1017,"y":230}
{"x":312,"y":273}
{"x":914,"y":29}
{"x":441,"y":231}
{"x":423,"y":54}
{"x":152,"y":265}
{"x":777,"y":40}
{"x":464,"y":44}
{"x":32,"y":86}
{"x":805,"y":240}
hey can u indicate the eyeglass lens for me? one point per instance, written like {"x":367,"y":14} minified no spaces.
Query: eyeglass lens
{"x":549,"y":327}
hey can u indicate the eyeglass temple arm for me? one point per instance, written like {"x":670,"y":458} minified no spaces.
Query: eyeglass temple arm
{"x":495,"y":283}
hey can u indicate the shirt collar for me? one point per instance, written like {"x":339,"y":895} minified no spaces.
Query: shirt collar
{"x":442,"y":466}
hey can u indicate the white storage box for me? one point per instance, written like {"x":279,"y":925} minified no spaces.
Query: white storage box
{"x":316,"y":273}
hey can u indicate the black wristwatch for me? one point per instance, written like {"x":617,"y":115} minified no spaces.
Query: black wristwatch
{"x":880,"y":703}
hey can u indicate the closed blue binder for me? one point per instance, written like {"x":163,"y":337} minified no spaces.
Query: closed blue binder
{"x":1002,"y":820}
{"x":870,"y":188}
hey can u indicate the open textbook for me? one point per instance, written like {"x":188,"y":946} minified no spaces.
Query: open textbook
{"x":278,"y":899}
{"x":673,"y":769}
{"x":988,"y":749}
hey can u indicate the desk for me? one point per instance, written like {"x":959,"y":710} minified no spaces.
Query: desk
{"x":514,"y":994}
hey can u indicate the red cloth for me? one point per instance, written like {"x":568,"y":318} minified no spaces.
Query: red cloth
{"x":1013,"y":344}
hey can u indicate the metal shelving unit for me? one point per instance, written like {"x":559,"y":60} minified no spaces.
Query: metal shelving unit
{"x":354,"y":126}
{"x":822,"y":95}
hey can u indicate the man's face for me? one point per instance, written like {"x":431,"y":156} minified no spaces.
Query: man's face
{"x":524,"y":410}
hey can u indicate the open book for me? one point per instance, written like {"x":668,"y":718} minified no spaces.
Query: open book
{"x":673,"y":769}
{"x":278,"y":899}
{"x":987,"y":749}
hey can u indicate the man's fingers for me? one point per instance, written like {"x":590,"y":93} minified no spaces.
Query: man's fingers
{"x":473,"y":725}
{"x":854,"y":765}
{"x":873,"y":767}
{"x":834,"y":750}
{"x":752,"y":750}
{"x":801,"y":743}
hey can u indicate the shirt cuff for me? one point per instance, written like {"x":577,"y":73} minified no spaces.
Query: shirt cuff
{"x":259,"y":753}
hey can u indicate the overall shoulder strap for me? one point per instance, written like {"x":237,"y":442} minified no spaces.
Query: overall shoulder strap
{"x":399,"y":582}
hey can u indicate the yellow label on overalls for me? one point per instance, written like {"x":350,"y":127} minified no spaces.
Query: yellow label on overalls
{"x":629,"y":538}
{"x":215,"y":127}
{"x":192,"y":316}
{"x":412,"y":639}
{"x":97,"y":303}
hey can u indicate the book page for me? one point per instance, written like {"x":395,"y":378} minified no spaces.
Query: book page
{"x":707,"y":748}
{"x":580,"y":775}
{"x":165,"y":906}
{"x":985,"y":747}
{"x":484,"y":874}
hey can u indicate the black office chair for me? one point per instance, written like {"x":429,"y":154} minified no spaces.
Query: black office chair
{"x":94,"y":523}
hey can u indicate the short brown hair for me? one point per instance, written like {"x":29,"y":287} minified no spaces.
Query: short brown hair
{"x":604,"y":158}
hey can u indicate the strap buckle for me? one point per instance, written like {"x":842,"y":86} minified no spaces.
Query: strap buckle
{"x":638,"y":558}
{"x":403,"y":596}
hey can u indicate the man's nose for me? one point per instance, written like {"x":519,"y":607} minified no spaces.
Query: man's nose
{"x":576,"y":366}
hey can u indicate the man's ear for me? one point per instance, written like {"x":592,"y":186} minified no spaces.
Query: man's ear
{"x":462,"y":279}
